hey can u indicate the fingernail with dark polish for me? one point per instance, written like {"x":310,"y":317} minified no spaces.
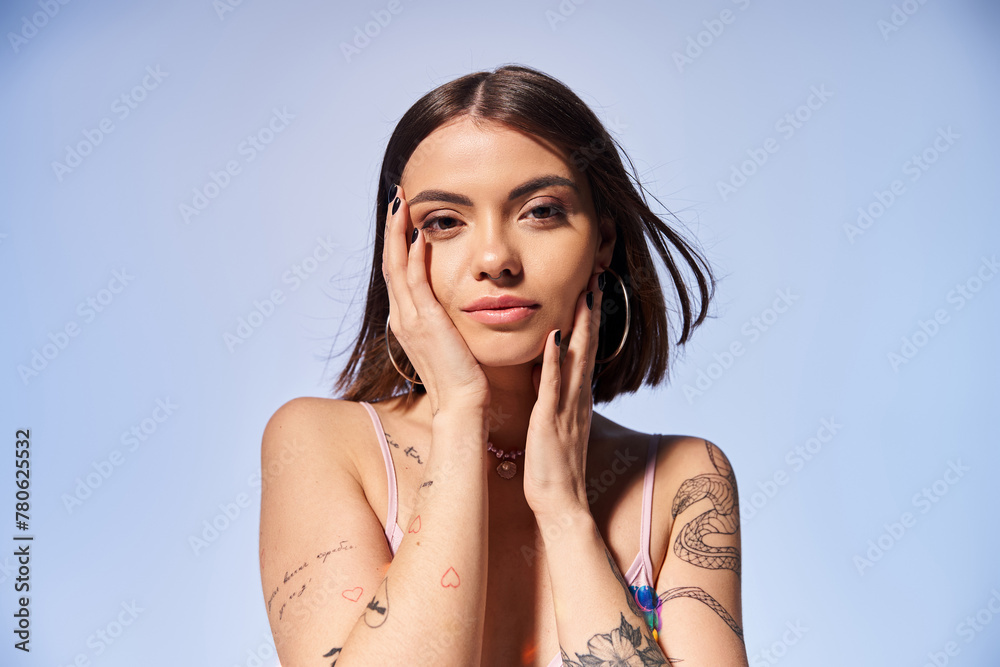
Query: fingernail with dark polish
{"x":392,"y":192}
{"x":395,"y":206}
{"x":600,"y":281}
{"x":413,"y":237}
{"x":590,"y":300}
{"x":558,"y":337}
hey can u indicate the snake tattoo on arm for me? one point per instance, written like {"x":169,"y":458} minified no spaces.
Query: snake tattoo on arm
{"x":722,"y":519}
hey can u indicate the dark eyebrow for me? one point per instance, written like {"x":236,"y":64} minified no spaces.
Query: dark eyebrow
{"x":516,"y":193}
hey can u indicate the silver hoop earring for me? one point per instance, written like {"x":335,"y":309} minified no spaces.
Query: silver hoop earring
{"x":628,"y":319}
{"x":388,"y":351}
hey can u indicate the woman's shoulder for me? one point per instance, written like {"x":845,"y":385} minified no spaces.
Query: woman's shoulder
{"x":681,"y":450}
{"x":311,"y":430}
{"x":690,"y":468}
{"x":678,"y":457}
{"x":313,"y":409}
{"x":691,"y":456}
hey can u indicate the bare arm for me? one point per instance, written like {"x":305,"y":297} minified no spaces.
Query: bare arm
{"x":698,"y":588}
{"x":328,"y":604}
{"x":696,"y":605}
{"x":596,"y":615}
{"x":435,"y":588}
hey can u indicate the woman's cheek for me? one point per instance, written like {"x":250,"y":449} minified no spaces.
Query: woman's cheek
{"x":442,"y":285}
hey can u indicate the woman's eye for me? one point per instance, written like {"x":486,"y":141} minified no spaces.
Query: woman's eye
{"x":445,"y":223}
{"x":437,"y":221}
{"x":552,"y":211}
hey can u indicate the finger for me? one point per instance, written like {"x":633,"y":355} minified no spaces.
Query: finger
{"x":550,"y":378}
{"x":394,"y":258}
{"x":578,"y":362}
{"x":417,"y":282}
{"x":595,"y":328}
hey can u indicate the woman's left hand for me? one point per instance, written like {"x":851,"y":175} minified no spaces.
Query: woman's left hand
{"x":555,"y":457}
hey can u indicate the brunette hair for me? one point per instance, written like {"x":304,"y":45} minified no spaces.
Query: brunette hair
{"x":531,"y":101}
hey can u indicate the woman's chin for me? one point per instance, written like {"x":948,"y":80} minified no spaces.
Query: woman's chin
{"x":500,"y":359}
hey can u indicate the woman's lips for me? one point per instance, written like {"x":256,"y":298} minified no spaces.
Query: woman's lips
{"x":502,"y":315}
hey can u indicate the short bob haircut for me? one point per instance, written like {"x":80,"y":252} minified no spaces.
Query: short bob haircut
{"x":533,"y":102}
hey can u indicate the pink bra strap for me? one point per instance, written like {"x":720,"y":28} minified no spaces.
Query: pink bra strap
{"x":390,"y":521}
{"x":647,"y":502}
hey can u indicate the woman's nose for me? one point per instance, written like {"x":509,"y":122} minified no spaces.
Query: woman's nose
{"x":495,"y":252}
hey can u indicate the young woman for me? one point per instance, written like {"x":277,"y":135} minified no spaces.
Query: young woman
{"x":488,"y":516}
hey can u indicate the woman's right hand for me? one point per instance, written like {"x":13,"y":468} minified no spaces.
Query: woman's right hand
{"x":441,"y":357}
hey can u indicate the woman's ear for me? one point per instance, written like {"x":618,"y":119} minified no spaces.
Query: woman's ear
{"x":606,"y":228}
